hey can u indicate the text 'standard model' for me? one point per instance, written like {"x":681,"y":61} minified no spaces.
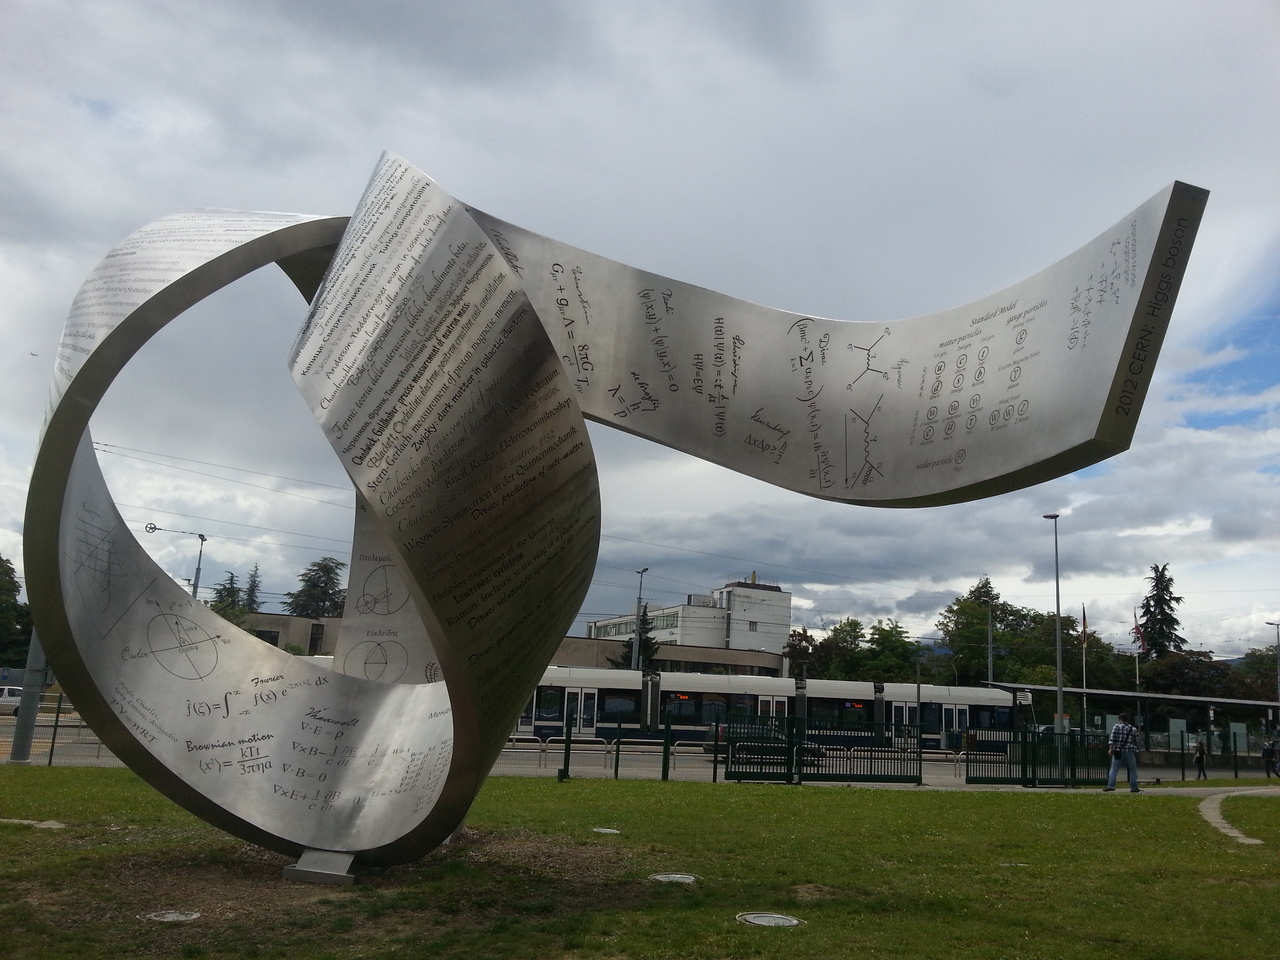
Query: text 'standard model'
{"x":450,"y":359}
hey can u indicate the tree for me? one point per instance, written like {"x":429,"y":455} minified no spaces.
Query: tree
{"x":833,"y":655}
{"x":15,"y":619}
{"x":1159,"y":621}
{"x":1257,"y":668}
{"x":228,"y":600}
{"x":321,"y":594}
{"x":249,"y":599}
{"x":889,"y":656}
{"x":799,"y":650}
{"x":648,"y":646}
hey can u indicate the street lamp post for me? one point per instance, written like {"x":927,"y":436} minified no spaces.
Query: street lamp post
{"x":635,"y":644}
{"x":195,"y":584}
{"x":1271,"y":623}
{"x":1059,"y":719}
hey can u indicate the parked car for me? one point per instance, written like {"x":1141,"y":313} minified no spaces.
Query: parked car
{"x":10,"y":697}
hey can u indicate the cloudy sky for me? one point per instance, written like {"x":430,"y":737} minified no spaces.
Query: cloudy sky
{"x":857,"y":160}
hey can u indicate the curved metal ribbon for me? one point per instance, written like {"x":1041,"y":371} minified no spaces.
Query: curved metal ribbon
{"x":1038,"y":380}
{"x":265,"y":745}
{"x":449,"y":358}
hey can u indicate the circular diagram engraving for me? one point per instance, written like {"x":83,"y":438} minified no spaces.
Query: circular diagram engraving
{"x":384,"y":592}
{"x":383,"y":660}
{"x":182,"y":647}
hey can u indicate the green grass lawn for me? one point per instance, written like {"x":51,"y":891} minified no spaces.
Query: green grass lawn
{"x":873,"y":873}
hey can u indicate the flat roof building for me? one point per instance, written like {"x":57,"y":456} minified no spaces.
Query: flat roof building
{"x":743,"y":615}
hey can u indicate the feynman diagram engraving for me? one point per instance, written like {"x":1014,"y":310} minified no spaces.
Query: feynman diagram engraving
{"x":451,"y":360}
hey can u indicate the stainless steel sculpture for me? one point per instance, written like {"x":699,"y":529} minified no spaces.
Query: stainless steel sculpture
{"x":450,"y":359}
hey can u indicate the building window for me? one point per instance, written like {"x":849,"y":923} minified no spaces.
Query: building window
{"x":751,"y":626}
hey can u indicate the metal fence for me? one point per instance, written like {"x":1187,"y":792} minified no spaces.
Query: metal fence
{"x":783,"y":750}
{"x":1035,"y":759}
{"x":60,"y":738}
{"x":795,"y":750}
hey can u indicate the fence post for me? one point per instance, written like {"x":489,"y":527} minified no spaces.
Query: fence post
{"x":563,"y":773}
{"x":1182,"y":755}
{"x":1235,"y":753}
{"x":799,"y":729}
{"x":715,"y":751}
{"x":617,"y":748}
{"x":53,"y":739}
{"x":666,"y":747}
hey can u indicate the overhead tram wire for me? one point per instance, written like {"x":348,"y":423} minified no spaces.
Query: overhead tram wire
{"x":235,"y":523}
{"x":112,"y":447}
{"x":244,"y":483}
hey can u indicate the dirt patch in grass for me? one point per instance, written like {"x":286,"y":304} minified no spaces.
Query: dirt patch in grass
{"x":246,"y":906}
{"x":811,"y":892}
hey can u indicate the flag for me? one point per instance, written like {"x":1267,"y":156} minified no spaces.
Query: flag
{"x":1137,"y":633}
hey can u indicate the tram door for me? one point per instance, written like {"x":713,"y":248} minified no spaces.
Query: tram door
{"x":773,"y":707}
{"x":580,"y":706}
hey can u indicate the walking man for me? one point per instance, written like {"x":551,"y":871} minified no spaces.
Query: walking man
{"x":1123,"y":747}
{"x":1269,"y":758}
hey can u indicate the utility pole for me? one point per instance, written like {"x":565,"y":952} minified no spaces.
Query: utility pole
{"x":635,"y":644}
{"x":1059,"y":719}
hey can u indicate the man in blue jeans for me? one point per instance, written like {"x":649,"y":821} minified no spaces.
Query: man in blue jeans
{"x":1123,"y":747}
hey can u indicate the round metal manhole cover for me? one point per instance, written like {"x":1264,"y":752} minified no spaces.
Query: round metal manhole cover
{"x":675,"y":877}
{"x":761,"y":919}
{"x":169,"y":916}
{"x":604,"y":830}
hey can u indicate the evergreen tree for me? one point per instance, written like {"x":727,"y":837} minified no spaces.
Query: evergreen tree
{"x":226,"y":594}
{"x":249,"y":600}
{"x":321,"y":594}
{"x":228,"y":600}
{"x":1159,"y":621}
{"x":648,"y":646}
{"x":15,"y":619}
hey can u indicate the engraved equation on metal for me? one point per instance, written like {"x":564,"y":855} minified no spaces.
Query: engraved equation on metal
{"x":450,"y":360}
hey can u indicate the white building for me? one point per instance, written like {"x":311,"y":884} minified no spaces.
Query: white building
{"x":744,"y":615}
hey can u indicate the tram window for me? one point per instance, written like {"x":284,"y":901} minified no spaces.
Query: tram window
{"x":962,"y":718}
{"x":550,"y":705}
{"x":742,"y":704}
{"x":526,"y":715}
{"x":931,"y":718}
{"x":898,"y":716}
{"x":1004,"y":718}
{"x":821,"y":708}
{"x":589,"y":709}
{"x":620,"y":706}
{"x":715,"y":707}
{"x":681,"y":707}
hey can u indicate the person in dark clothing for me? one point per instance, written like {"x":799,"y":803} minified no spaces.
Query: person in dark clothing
{"x":1198,"y":757}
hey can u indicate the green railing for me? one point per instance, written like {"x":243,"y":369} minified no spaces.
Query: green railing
{"x":795,"y":750}
{"x":1035,"y":759}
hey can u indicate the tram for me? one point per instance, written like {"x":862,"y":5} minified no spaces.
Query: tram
{"x":627,"y":703}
